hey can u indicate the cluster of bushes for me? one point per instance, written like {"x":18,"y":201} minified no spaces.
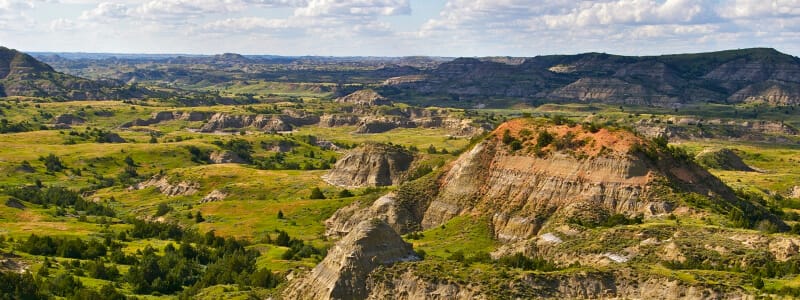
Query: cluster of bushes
{"x":144,"y":230}
{"x":297,"y":248}
{"x":762,"y":265}
{"x":198,"y":155}
{"x":746,"y":210}
{"x":661,"y":145}
{"x":198,"y":262}
{"x":544,"y":139}
{"x":60,"y":197}
{"x":94,"y":134}
{"x":278,"y":161}
{"x":561,"y":120}
{"x":518,"y":260}
{"x":26,"y":286}
{"x":527,"y":263}
{"x":195,"y":267}
{"x":648,"y":150}
{"x":10,"y":127}
{"x":316,"y":193}
{"x":129,"y":174}
{"x":430,"y":150}
{"x":274,"y":109}
{"x":567,"y":141}
{"x":240,"y":147}
{"x":19,"y":286}
{"x":611,"y":221}
{"x":52,"y":163}
{"x":511,"y":141}
{"x":63,"y":247}
{"x":419,"y":172}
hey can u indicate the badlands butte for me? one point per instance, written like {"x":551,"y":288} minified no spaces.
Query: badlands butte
{"x":546,"y":191}
{"x":589,"y":176}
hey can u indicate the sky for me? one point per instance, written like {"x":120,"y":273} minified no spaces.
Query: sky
{"x":399,"y":27}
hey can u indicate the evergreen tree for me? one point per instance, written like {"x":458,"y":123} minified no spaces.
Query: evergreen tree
{"x":316,"y":193}
{"x":199,"y":218}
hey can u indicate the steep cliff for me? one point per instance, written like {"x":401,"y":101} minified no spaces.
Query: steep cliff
{"x":371,"y":164}
{"x":343,"y":272}
{"x":610,"y":90}
{"x":271,"y":123}
{"x":771,"y":92}
{"x":336,"y":120}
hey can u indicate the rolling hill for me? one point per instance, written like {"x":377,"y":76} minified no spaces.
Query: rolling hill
{"x":23,"y":75}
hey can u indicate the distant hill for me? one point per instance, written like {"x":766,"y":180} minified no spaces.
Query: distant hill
{"x":23,"y":75}
{"x":734,"y":76}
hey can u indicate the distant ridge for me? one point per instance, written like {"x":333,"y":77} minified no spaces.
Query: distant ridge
{"x":731,"y":76}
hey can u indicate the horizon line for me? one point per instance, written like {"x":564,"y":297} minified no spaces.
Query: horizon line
{"x":178,"y":54}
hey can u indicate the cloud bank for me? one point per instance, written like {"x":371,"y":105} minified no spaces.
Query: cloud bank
{"x":400,"y":27}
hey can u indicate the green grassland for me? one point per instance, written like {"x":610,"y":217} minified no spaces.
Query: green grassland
{"x":464,"y":233}
{"x":266,"y":89}
{"x":255,"y":197}
{"x":777,"y":165}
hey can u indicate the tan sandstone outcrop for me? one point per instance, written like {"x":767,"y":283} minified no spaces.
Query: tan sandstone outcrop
{"x":365,"y":97}
{"x":371,"y":164}
{"x":343,"y":272}
{"x":225,"y":157}
{"x":162,"y":183}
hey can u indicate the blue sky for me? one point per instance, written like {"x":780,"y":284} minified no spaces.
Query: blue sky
{"x":399,"y":27}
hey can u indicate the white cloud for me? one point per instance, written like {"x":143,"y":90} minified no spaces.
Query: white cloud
{"x":15,"y":5}
{"x":629,"y":12}
{"x":354,"y":8}
{"x":62,"y":24}
{"x":759,"y":8}
{"x":178,"y":10}
{"x":106,"y":11}
{"x":185,"y":8}
{"x":339,"y":18}
{"x":247,"y":24}
{"x":14,"y":15}
{"x":347,"y":27}
{"x":619,"y":26}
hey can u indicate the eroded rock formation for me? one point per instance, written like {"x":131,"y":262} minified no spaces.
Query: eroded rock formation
{"x":365,"y":97}
{"x":344,"y":271}
{"x":163,"y":184}
{"x":371,"y":164}
{"x":522,"y":190}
